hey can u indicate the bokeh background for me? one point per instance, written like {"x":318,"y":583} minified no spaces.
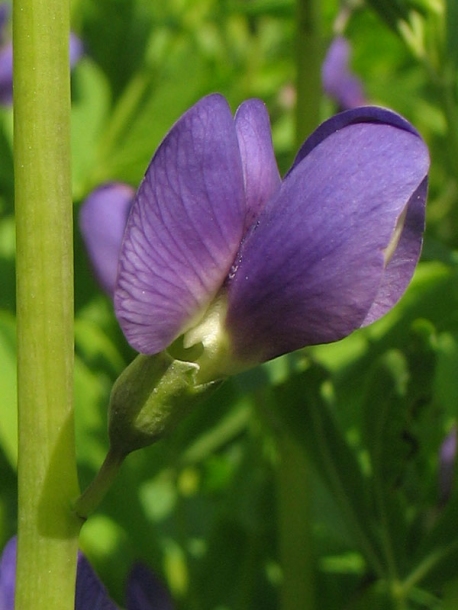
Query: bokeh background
{"x":336,"y":461}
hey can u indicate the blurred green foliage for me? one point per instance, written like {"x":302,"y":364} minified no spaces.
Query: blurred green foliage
{"x":370,"y":412}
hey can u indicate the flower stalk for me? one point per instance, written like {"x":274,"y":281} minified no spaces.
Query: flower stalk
{"x":309,"y":56}
{"x":47,"y":480}
{"x":293,"y":483}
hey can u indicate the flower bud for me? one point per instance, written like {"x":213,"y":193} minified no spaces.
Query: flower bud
{"x":151,"y":396}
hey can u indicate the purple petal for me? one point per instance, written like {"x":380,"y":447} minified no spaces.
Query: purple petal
{"x":145,"y":591}
{"x":6,"y":74}
{"x":313,"y":266}
{"x":401,"y":267}
{"x":260,"y":170}
{"x":102,"y":219}
{"x":8,"y":575}
{"x":90,"y":594}
{"x":76,"y":49}
{"x":4,"y":16}
{"x":338,"y":82}
{"x":184,"y":229}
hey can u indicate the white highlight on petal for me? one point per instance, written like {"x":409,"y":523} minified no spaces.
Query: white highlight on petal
{"x":391,"y":247}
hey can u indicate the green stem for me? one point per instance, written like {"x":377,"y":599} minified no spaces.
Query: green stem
{"x":295,"y":532}
{"x":47,"y":479}
{"x":308,"y":76}
{"x":429,"y":563}
{"x":96,"y":491}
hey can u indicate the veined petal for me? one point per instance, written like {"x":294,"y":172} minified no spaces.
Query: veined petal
{"x":184,"y":229}
{"x":311,"y":269}
{"x":102,"y":220}
{"x":260,"y":170}
{"x":363,"y":114}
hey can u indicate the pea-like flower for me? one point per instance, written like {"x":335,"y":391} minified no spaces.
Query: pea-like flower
{"x":223,"y":255}
{"x":143,"y":590}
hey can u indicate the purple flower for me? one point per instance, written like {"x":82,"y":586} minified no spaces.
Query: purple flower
{"x":219,"y":250}
{"x":102,"y":220}
{"x":144,"y":591}
{"x":338,"y":82}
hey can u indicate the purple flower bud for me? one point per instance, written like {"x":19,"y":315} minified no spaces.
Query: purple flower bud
{"x":102,"y":220}
{"x":219,"y":250}
{"x":338,"y":82}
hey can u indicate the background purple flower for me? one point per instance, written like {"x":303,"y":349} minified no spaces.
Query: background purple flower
{"x":338,"y":81}
{"x":6,"y":57}
{"x":8,"y":575}
{"x":102,"y":220}
{"x":217,"y":248}
{"x":143,"y":592}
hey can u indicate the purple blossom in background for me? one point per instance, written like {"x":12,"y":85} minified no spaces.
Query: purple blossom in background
{"x":8,"y":575}
{"x":102,"y":220}
{"x":6,"y":57}
{"x":338,"y":82}
{"x":447,"y":459}
{"x":144,"y":591}
{"x":219,"y":250}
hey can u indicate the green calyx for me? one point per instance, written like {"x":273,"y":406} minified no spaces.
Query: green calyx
{"x":151,"y":396}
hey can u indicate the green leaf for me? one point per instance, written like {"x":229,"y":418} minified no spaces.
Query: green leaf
{"x":446,"y":379}
{"x":148,"y":108}
{"x":385,"y":418}
{"x":451,"y":20}
{"x":8,"y":393}
{"x":90,"y":105}
{"x":384,"y":425}
{"x":304,"y":412}
{"x":391,"y":11}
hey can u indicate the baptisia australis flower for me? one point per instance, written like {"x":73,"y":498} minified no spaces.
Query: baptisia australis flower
{"x":224,"y":265}
{"x":143,"y":589}
{"x":220,"y":251}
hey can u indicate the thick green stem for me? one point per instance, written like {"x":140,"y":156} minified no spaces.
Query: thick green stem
{"x":308,"y":60}
{"x":48,"y":529}
{"x":294,"y":490}
{"x":294,"y":526}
